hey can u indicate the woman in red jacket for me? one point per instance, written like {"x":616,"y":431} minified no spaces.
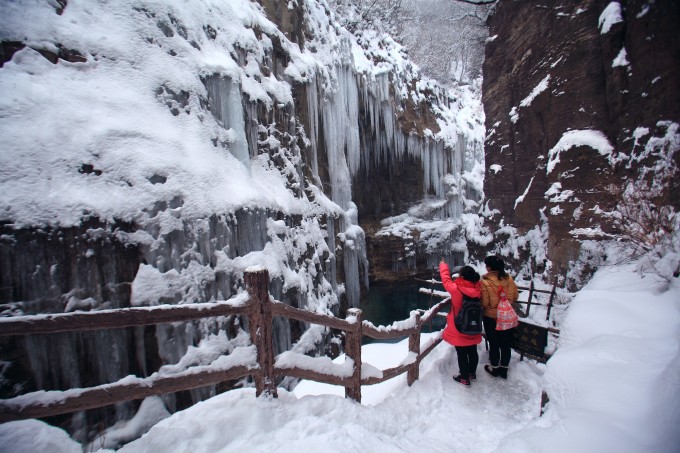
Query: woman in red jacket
{"x":466,"y":345}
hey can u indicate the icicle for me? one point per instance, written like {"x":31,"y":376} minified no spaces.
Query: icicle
{"x":226,"y":106}
{"x":251,"y":128}
{"x":313,"y":114}
{"x":340,"y":113}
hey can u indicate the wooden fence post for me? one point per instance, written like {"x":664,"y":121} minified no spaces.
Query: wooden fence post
{"x":414,"y":347}
{"x":260,"y":327}
{"x":353,"y":351}
{"x":553,"y":293}
{"x":531,"y":297}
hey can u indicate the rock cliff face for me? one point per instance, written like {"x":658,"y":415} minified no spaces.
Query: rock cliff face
{"x":574,"y":94}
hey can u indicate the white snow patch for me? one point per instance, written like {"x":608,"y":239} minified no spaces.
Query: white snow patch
{"x":591,"y":232}
{"x":514,"y":116}
{"x":151,"y":411}
{"x":538,"y":89}
{"x":643,"y":12}
{"x":30,"y":436}
{"x":586,"y":137}
{"x":621,"y":59}
{"x":611,"y":15}
{"x":526,"y":191}
{"x":557,"y":61}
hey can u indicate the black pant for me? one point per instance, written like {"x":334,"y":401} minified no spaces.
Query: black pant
{"x":499,"y":343}
{"x":467,"y":360}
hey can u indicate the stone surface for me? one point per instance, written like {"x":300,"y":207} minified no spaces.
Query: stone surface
{"x":531,"y":40}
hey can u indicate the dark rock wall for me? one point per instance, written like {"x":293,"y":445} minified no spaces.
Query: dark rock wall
{"x":289,"y":20}
{"x":534,"y":39}
{"x":82,"y":262}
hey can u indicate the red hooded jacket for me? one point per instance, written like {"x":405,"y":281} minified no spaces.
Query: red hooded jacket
{"x":456,"y":288}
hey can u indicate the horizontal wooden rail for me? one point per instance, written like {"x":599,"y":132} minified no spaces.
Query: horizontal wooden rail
{"x":378,"y":334}
{"x":279,"y":309}
{"x":521,"y":302}
{"x":38,"y":404}
{"x":444,"y":295}
{"x":527,"y":288}
{"x":114,"y":319}
{"x":387,"y":374}
{"x":385,"y":334}
{"x":396,"y":371}
{"x":431,"y":347}
{"x":433,"y":312}
{"x":312,"y":375}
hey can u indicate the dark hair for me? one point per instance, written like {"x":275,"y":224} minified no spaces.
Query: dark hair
{"x":496,"y":263}
{"x":469,"y":274}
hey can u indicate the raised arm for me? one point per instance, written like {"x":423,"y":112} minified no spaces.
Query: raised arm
{"x":445,"y":275}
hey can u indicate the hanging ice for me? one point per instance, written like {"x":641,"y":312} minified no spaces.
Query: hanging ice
{"x":224,"y":95}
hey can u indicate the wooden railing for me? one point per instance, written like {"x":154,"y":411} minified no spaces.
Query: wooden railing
{"x":257,"y":360}
{"x":532,"y":291}
{"x":529,"y":339}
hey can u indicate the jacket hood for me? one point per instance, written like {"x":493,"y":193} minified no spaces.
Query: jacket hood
{"x":468,"y":288}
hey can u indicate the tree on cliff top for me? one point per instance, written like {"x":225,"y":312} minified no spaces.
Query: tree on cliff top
{"x":445,"y":38}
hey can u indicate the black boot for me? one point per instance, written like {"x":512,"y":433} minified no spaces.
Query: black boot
{"x":502,"y":372}
{"x":492,"y":370}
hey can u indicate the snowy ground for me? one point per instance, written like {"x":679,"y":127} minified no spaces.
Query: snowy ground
{"x":613,"y":384}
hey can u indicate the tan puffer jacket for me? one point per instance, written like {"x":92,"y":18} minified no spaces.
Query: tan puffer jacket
{"x":490,"y":285}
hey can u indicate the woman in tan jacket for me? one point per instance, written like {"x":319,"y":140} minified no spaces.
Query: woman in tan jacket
{"x":499,"y":340}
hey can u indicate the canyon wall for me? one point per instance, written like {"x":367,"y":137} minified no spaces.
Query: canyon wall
{"x":579,"y":97}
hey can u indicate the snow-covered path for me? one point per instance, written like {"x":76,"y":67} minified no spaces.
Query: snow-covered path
{"x":393,"y":418}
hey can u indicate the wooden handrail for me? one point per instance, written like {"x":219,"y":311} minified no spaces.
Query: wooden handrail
{"x":312,"y":375}
{"x":259,"y":308}
{"x":434,"y":311}
{"x":280,"y":309}
{"x":544,"y":291}
{"x":445,"y":295}
{"x":23,"y":407}
{"x":387,"y":374}
{"x":378,"y":334}
{"x":116,"y":318}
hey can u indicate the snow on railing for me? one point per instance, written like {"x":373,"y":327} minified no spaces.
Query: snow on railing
{"x":255,"y":359}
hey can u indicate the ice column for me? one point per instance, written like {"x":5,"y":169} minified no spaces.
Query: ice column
{"x":340,"y":115}
{"x":226,"y":105}
{"x":313,"y":111}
